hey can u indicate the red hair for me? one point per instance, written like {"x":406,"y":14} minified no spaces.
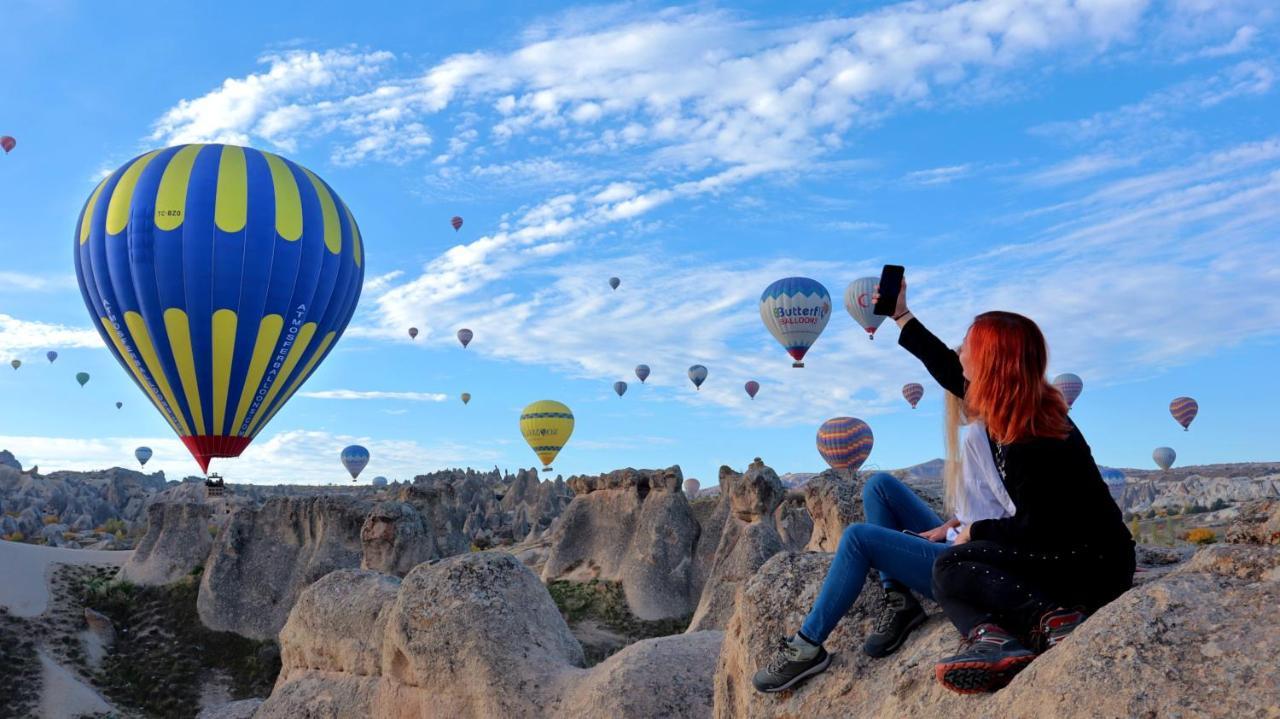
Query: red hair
{"x":1009,"y":392}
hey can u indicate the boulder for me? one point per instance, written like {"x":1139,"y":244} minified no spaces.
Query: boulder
{"x":475,"y":635}
{"x":634,"y":527}
{"x":834,"y":503}
{"x":265,"y":557}
{"x":795,"y":526}
{"x":177,"y":541}
{"x":1258,"y":523}
{"x":394,"y":539}
{"x":242,"y":709}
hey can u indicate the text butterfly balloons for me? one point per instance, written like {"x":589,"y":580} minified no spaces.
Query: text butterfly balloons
{"x":220,"y":277}
{"x":795,"y":310}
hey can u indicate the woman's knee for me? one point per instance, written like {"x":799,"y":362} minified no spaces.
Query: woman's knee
{"x":854,"y":537}
{"x":875,"y":485}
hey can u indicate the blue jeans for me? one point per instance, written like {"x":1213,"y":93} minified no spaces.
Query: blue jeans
{"x":880,"y":543}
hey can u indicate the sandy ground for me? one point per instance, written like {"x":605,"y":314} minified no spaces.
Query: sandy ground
{"x":24,"y":590}
{"x":26,"y":569}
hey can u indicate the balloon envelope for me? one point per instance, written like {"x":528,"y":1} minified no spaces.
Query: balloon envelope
{"x":466,"y":397}
{"x":691,"y":487}
{"x":1184,"y":409}
{"x":51,"y":356}
{"x":697,"y":375}
{"x":642,"y":371}
{"x":795,"y":310}
{"x":82,"y":378}
{"x":456,"y":222}
{"x":413,"y":333}
{"x":845,"y":442}
{"x":620,"y":388}
{"x":546,"y":426}
{"x":1070,"y":385}
{"x":379,"y":481}
{"x":142,"y":454}
{"x":15,"y":363}
{"x":1164,"y":457}
{"x":752,"y":387}
{"x":913,"y":391}
{"x":119,"y":405}
{"x":614,"y":282}
{"x":860,"y":306}
{"x":464,"y":336}
{"x":220,"y":277}
{"x":1115,"y":483}
{"x":8,"y":143}
{"x":354,"y":458}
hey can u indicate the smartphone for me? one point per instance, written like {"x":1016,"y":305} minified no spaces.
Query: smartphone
{"x":890,"y":286}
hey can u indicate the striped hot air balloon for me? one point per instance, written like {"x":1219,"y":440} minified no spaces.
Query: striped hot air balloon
{"x":845,"y":442}
{"x":51,"y":356}
{"x":546,"y":426}
{"x":355,"y":458}
{"x":1070,"y":385}
{"x":642,"y":371}
{"x":620,"y":387}
{"x":1184,"y":410}
{"x":697,"y":375}
{"x":795,"y":310}
{"x":220,"y":277}
{"x":913,"y":391}
{"x":1164,"y":457}
{"x":752,"y":387}
{"x":456,"y":222}
{"x":860,"y":306}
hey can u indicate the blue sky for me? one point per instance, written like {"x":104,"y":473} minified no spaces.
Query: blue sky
{"x":1109,"y":167}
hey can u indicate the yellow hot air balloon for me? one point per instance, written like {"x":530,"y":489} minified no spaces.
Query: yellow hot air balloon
{"x":546,"y":426}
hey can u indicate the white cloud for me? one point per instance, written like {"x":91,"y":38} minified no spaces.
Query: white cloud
{"x":17,"y":335}
{"x":364,"y":394}
{"x":1080,"y":168}
{"x":1239,"y":42}
{"x":24,"y":282}
{"x":938,"y":175}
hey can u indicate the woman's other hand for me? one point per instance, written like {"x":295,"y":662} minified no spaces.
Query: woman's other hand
{"x":963,"y":536}
{"x":937,"y":534}
{"x":900,"y":310}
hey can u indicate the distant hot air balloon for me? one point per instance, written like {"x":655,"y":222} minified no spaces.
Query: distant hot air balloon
{"x":1070,"y":386}
{"x":1115,"y":484}
{"x":1164,"y":457}
{"x":413,"y":333}
{"x":691,"y":487}
{"x":546,"y":426}
{"x":614,"y":282}
{"x":697,"y":375}
{"x":379,"y":481}
{"x":355,"y":458}
{"x":913,"y":391}
{"x":8,"y":143}
{"x":82,"y":378}
{"x":1184,"y":410}
{"x":464,"y":336}
{"x":795,"y":310}
{"x":466,"y":397}
{"x":15,"y":363}
{"x":456,"y":222}
{"x":642,"y":371}
{"x":119,"y":405}
{"x":142,"y":454}
{"x":752,"y":387}
{"x":859,"y":305}
{"x":220,"y":277}
{"x":845,"y":442}
{"x":620,"y":387}
{"x":51,"y":356}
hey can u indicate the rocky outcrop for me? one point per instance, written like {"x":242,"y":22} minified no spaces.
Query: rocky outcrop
{"x":795,"y":526}
{"x":243,"y":709}
{"x":634,"y":527}
{"x":1200,"y":640}
{"x":474,"y":635}
{"x":1258,"y":523}
{"x":265,"y":557}
{"x":748,"y":539}
{"x":8,"y":460}
{"x":1232,"y":483}
{"x":177,"y":541}
{"x":834,"y":503}
{"x":395,"y":538}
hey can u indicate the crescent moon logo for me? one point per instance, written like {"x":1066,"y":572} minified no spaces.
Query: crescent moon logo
{"x":862,"y":300}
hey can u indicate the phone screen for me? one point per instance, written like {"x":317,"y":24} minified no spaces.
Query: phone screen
{"x":890,"y":286}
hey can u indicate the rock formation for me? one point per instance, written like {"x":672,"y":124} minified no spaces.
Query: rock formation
{"x":395,"y":539}
{"x":1258,"y":523}
{"x":471,"y":636}
{"x":177,"y":541}
{"x":749,"y":538}
{"x":634,"y":527}
{"x":834,"y":503}
{"x":795,"y":525}
{"x":265,"y":557}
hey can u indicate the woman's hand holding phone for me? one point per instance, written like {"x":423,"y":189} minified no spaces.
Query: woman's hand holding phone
{"x":901,"y":307}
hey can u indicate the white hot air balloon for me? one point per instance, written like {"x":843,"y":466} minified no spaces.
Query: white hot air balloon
{"x":859,"y":304}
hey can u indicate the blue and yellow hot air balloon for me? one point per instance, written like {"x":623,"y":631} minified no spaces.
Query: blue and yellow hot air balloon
{"x":219,"y":277}
{"x":795,"y":310}
{"x":546,"y":426}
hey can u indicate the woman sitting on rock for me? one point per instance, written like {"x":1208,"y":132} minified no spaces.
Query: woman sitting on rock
{"x":1016,"y":586}
{"x":901,"y":537}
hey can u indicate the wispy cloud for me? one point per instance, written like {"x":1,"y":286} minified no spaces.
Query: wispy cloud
{"x":1080,"y":168}
{"x":1242,"y":40}
{"x":938,"y":175}
{"x":17,"y":335}
{"x":373,"y":394}
{"x":24,"y":282}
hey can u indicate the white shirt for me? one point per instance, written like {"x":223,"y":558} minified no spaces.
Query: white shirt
{"x":982,"y":492}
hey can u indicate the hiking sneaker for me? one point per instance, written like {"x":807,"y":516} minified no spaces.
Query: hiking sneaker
{"x":901,"y":614}
{"x":795,"y":661}
{"x":989,"y":660}
{"x":1056,"y":625}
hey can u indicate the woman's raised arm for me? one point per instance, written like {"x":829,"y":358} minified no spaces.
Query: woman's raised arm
{"x":940,"y":360}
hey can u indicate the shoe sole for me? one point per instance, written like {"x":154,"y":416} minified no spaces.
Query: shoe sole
{"x":920,"y":619}
{"x":980,"y":677}
{"x":811,"y":671}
